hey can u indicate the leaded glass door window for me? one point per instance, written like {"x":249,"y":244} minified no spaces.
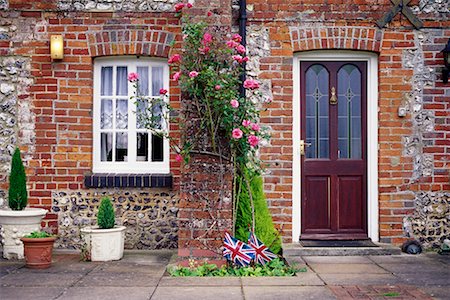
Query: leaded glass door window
{"x":121,"y":142}
{"x":333,"y":167}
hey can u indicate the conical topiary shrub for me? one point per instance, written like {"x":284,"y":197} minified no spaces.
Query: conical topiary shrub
{"x":264,"y":228}
{"x":105,"y":217}
{"x":17,"y":193}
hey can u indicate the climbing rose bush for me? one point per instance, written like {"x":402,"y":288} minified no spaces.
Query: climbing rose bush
{"x":208,"y":70}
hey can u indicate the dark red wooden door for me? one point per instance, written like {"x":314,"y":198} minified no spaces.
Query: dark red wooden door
{"x":334,"y":165}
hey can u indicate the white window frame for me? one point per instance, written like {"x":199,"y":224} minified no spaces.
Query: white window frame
{"x":131,"y":166}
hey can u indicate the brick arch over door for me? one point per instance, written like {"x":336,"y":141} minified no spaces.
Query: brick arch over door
{"x":348,"y":37}
{"x":155,"y":43}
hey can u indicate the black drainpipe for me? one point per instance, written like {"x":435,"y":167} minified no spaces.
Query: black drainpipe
{"x":243,"y":34}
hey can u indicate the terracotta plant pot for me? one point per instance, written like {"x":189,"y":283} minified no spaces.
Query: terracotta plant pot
{"x":38,"y":252}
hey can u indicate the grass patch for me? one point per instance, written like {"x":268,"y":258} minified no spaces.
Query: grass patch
{"x":274,"y":268}
{"x":391,"y":294}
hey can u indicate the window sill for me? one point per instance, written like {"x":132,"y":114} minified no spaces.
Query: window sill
{"x":112,"y":180}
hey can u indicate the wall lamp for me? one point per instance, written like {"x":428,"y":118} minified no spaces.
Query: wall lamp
{"x":56,"y":47}
{"x":446,"y":70}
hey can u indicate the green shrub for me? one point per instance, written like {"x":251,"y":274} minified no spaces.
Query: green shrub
{"x":17,"y":194}
{"x":105,"y":217}
{"x":264,"y":228}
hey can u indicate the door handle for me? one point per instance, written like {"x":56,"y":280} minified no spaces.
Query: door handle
{"x":302,"y":146}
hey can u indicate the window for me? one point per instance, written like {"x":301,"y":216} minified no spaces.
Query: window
{"x":121,"y":143}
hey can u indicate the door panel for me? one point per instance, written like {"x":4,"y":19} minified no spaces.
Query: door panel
{"x":333,"y":126}
{"x":319,"y":205}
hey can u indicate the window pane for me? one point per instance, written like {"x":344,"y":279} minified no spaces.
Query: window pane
{"x":121,"y":146}
{"x":157,"y":148}
{"x":143,"y":80}
{"x":349,"y":110}
{"x":317,"y":125}
{"x":106,"y":114}
{"x":122,"y":81}
{"x":141,"y":113}
{"x":106,"y":146}
{"x":142,"y":146}
{"x":106,"y":81}
{"x":157,"y":80}
{"x":122,"y":114}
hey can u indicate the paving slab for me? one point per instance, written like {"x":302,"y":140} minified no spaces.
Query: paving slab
{"x":200,"y":281}
{"x":404,"y":258}
{"x":36,"y":279}
{"x":154,"y":269}
{"x":425,"y":279}
{"x":360,"y":279}
{"x":23,"y":293}
{"x":128,"y":279}
{"x":287,"y":293}
{"x":346,"y":268}
{"x":378,"y":292}
{"x":302,"y":279}
{"x":337,"y":260}
{"x":439,"y":292}
{"x":110,"y":293}
{"x":146,"y":257}
{"x":196,"y":293}
{"x":410,"y":268}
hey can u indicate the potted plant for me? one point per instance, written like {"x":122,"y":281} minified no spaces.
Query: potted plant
{"x":38,"y":248}
{"x":104,"y":242}
{"x":17,"y":220}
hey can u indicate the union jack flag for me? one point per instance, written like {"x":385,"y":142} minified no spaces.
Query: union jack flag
{"x":262,"y":254}
{"x":236,"y":251}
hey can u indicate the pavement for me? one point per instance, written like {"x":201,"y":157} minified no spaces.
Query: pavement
{"x":142,"y":275}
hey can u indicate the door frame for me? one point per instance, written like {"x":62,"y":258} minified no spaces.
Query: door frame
{"x":372,"y":133}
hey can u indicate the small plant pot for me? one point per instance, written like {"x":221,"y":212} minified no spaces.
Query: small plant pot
{"x":38,"y":252}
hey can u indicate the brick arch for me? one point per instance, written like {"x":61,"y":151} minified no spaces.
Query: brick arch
{"x":347,"y":37}
{"x":155,"y":43}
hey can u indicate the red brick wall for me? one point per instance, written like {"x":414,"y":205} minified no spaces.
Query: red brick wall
{"x":317,"y":25}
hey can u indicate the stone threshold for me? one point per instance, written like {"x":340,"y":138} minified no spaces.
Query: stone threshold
{"x":295,"y":250}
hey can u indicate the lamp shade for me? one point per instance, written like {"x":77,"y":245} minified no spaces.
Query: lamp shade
{"x":56,"y":47}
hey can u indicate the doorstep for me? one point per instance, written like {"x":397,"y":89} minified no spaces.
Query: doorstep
{"x":295,"y":250}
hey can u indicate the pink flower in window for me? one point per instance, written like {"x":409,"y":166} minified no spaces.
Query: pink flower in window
{"x":133,"y":77}
{"x":163,"y":91}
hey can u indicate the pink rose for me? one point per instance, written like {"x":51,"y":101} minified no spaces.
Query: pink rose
{"x":232,"y":44}
{"x":255,"y":127}
{"x":237,"y":38}
{"x":246,"y":123}
{"x":234,"y":103}
{"x":178,"y":157}
{"x":237,"y":58}
{"x":245,"y":59}
{"x":176,"y":76}
{"x":174,"y":59}
{"x":204,"y":50}
{"x":209,"y":14}
{"x":207,"y":38}
{"x":162,"y":91}
{"x":178,"y":7}
{"x":189,"y":5}
{"x":251,"y":84}
{"x":236,"y":133}
{"x":217,"y":87}
{"x":240,"y":49}
{"x":253,"y":140}
{"x":193,"y":74}
{"x":133,"y":77}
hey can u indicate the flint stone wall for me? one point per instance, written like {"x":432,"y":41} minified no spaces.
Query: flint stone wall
{"x":150,"y":216}
{"x":117,"y":5}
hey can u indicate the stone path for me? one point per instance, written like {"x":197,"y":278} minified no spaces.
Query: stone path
{"x":141,"y":275}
